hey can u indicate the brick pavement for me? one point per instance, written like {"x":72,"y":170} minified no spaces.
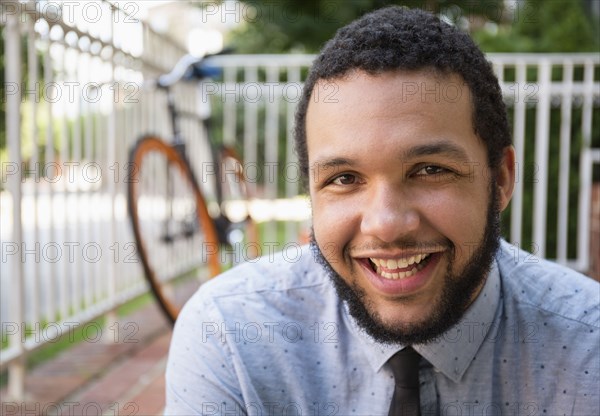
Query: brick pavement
{"x":123,"y":374}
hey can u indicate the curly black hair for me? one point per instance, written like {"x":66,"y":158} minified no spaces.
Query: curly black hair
{"x":394,"y":38}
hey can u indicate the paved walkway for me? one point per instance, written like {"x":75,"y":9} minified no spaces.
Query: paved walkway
{"x":122,"y":374}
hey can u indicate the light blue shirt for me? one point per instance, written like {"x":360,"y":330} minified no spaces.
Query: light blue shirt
{"x":273,"y":338}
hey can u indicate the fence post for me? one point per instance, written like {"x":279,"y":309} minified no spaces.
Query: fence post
{"x":542,"y":138}
{"x":520,"y":109}
{"x":111,"y":155}
{"x":585,"y":168}
{"x":12,"y":47}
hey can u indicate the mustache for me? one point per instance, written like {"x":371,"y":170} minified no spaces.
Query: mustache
{"x":401,"y":245}
{"x":398,"y":245}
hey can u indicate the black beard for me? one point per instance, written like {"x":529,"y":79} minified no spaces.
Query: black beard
{"x":456,"y":297}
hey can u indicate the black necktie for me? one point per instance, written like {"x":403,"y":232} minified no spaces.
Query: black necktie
{"x":405,"y":365}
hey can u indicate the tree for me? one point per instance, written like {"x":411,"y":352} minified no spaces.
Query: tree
{"x":278,"y":26}
{"x":544,"y":26}
{"x":303,"y":26}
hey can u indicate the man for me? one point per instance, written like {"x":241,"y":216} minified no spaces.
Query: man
{"x":407,"y":301}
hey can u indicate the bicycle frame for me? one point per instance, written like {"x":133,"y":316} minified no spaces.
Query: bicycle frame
{"x":180,"y":201}
{"x":222,"y":222}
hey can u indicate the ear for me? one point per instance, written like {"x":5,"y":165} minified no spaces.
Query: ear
{"x":505,"y":177}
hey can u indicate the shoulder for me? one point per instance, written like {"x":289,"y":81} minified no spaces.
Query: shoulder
{"x":290,"y":279}
{"x":294,"y":267}
{"x":548,"y":287}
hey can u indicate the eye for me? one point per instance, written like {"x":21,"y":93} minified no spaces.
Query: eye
{"x":345,"y":179}
{"x":431,"y":170}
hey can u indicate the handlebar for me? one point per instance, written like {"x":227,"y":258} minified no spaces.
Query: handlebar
{"x":191,"y":68}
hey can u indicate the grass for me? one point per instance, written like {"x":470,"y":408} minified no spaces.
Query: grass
{"x":87,"y":331}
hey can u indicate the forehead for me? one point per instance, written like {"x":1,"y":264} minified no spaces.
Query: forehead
{"x":390,"y":112}
{"x":425,"y":87}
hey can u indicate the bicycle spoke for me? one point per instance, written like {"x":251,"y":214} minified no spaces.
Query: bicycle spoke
{"x":175,"y":236}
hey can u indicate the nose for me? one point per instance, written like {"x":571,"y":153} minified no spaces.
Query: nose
{"x":389,"y":215}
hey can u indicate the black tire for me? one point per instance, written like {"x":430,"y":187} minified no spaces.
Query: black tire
{"x":164,"y":245}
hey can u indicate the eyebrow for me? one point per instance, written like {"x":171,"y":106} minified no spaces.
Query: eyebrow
{"x":438,"y":148}
{"x":335,"y":162}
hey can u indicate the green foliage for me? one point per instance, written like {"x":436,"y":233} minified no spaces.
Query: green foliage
{"x":3,"y":102}
{"x":304,"y":26}
{"x":544,"y":26}
{"x":532,"y":26}
{"x":528,"y":176}
{"x":3,"y":148}
{"x":25,"y":85}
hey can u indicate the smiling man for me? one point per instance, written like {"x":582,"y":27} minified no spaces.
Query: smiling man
{"x":407,"y":302}
{"x":413,"y":223}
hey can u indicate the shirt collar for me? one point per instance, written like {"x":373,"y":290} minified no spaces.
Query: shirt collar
{"x":454,"y":350}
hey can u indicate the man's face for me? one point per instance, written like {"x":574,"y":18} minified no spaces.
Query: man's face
{"x":402,"y":199}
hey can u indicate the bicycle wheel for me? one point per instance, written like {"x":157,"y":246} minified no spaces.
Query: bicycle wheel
{"x":243,"y":232}
{"x":176,"y":238}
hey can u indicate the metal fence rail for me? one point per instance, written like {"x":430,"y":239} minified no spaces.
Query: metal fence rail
{"x":557,"y":95}
{"x":73,"y":108}
{"x":76,"y":102}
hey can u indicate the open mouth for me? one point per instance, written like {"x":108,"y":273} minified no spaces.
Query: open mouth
{"x":399,"y":268}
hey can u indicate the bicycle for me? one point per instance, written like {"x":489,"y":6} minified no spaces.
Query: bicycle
{"x":173,"y":223}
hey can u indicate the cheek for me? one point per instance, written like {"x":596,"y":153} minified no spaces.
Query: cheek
{"x":458,"y":216}
{"x":334,"y":225}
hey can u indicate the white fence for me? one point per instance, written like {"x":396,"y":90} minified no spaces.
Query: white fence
{"x":75,"y":104}
{"x":557,"y":95}
{"x":73,"y":108}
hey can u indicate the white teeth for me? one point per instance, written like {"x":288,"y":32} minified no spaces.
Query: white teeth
{"x":400,"y":263}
